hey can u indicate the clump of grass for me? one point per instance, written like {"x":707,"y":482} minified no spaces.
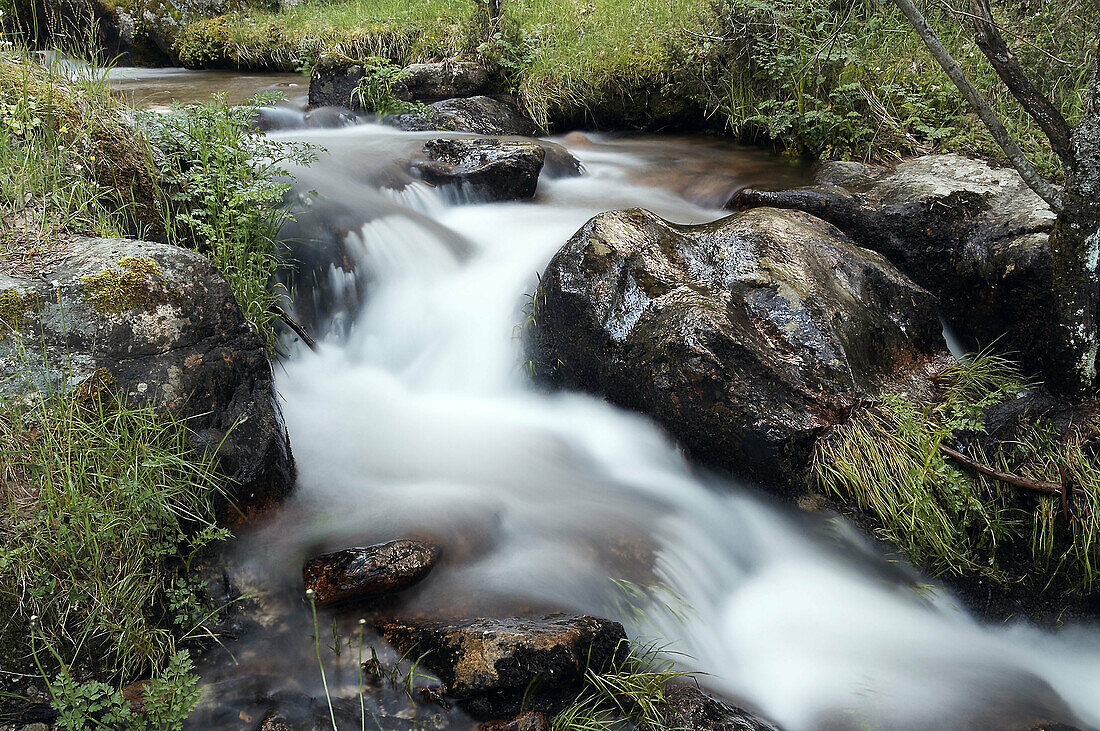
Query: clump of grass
{"x":105,"y":506}
{"x":630,"y":694}
{"x":887,"y":461}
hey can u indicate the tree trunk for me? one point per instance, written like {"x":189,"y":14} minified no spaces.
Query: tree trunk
{"x":1075,"y":248}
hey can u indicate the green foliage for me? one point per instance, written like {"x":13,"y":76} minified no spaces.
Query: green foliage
{"x":105,"y":507}
{"x":887,"y":460}
{"x":374,"y":92}
{"x":631,"y":694}
{"x":226,"y":183}
{"x":167,"y":701}
{"x":852,"y":79}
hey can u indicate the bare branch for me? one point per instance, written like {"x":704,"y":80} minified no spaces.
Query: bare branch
{"x":294,"y":325}
{"x":1042,"y":187}
{"x":1008,"y":67}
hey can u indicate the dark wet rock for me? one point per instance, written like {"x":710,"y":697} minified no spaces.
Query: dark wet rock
{"x":530,"y":721}
{"x":160,"y":324}
{"x":335,"y":78}
{"x":333,"y":83}
{"x":357,"y":573}
{"x":482,"y":169}
{"x":277,"y":119}
{"x":974,"y":235}
{"x":746,"y":338}
{"x":479,"y":115}
{"x":495,"y":666}
{"x":689,"y":709}
{"x":432,"y":82}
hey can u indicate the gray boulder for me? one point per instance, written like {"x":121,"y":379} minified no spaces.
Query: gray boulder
{"x":974,"y":235}
{"x":746,"y":338}
{"x":165,"y":325}
{"x":432,"y":82}
{"x":481,"y":169}
{"x":479,"y":115}
{"x":497,"y":667}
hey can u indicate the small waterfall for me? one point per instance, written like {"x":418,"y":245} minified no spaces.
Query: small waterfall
{"x":418,"y":419}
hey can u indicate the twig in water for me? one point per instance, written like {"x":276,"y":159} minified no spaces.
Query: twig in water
{"x":294,"y":325}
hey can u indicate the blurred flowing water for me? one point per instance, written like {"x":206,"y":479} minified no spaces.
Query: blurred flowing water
{"x":417,"y":418}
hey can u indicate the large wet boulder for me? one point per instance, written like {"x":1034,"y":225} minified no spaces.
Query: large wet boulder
{"x":690,"y":709}
{"x":746,"y":338}
{"x":163,"y":322}
{"x":497,"y":667}
{"x":481,"y":169}
{"x":478,"y":115}
{"x":974,"y":235}
{"x":372,"y":571}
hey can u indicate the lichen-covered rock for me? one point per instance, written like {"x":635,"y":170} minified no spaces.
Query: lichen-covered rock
{"x":356,"y":573}
{"x":482,"y":169}
{"x":974,"y":235}
{"x":165,"y":325}
{"x":498,"y":667}
{"x":479,"y":115}
{"x":689,"y":709}
{"x":746,"y":338}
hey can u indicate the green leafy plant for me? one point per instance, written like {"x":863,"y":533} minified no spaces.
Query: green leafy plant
{"x":375,"y":91}
{"x":226,"y":183}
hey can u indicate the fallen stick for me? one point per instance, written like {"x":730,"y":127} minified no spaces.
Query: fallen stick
{"x":294,"y":325}
{"x":1049,"y":488}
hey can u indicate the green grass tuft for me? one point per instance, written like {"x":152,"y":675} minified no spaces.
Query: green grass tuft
{"x":104,"y":508}
{"x":887,"y":462}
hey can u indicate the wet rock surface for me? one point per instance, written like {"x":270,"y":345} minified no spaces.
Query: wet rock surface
{"x":530,"y":721}
{"x":480,"y":115}
{"x":974,"y":235}
{"x":745,"y":338}
{"x":334,"y":80}
{"x":690,"y":709}
{"x":357,"y":573}
{"x":160,"y":324}
{"x":432,"y":82}
{"x":482,"y":169}
{"x":493,"y":667}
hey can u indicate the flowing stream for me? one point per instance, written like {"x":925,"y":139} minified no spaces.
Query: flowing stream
{"x":417,"y":418}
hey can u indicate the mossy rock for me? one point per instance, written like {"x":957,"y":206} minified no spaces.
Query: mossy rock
{"x":137,"y":282}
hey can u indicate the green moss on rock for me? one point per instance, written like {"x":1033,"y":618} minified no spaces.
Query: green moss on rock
{"x":15,"y":305}
{"x":137,"y":283}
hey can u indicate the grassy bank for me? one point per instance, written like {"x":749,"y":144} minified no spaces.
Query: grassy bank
{"x":821,"y":78}
{"x":952,"y":521}
{"x":105,"y":506}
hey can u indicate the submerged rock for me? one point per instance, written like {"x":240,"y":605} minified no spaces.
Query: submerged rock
{"x":497,"y":667}
{"x":479,"y":115}
{"x":746,"y":338}
{"x":357,"y":573}
{"x":689,"y":709}
{"x":482,"y":169}
{"x":530,"y":721}
{"x":974,"y":235}
{"x":161,"y":324}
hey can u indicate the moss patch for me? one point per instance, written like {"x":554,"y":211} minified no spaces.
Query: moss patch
{"x":15,"y":305}
{"x":137,"y":283}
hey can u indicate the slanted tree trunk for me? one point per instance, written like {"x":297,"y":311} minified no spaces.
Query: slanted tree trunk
{"x":1071,"y":360}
